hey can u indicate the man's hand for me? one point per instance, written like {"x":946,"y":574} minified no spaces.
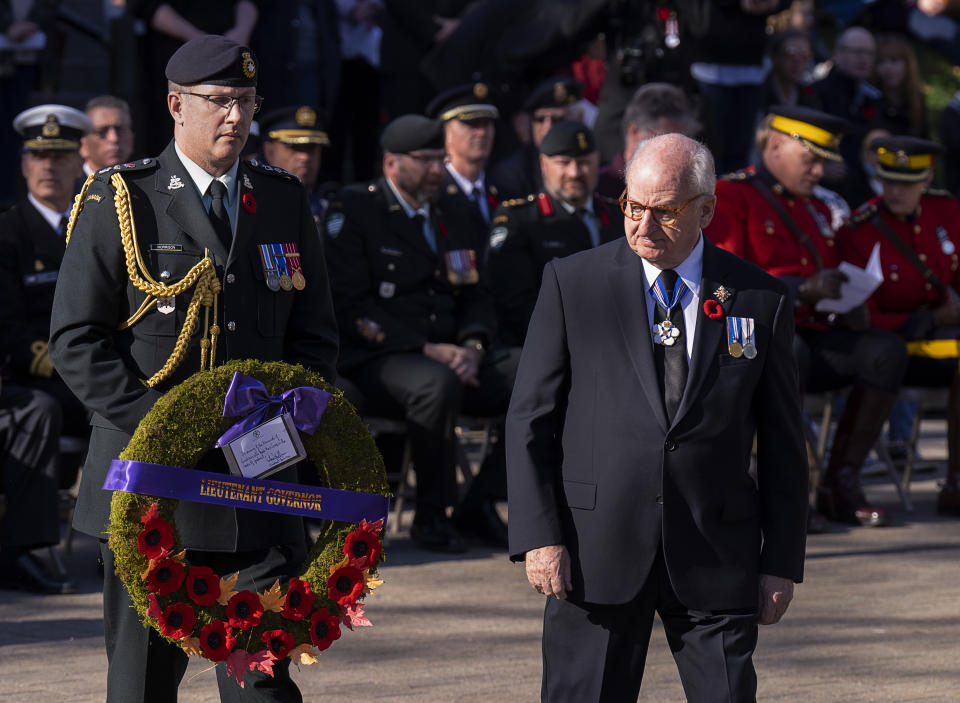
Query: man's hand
{"x":464,"y":361}
{"x":858,"y":319}
{"x":775,"y":595}
{"x":824,"y":284}
{"x":548,"y":570}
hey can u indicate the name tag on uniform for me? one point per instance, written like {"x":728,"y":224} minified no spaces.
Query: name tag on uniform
{"x":390,"y":252}
{"x":38,"y":279}
{"x":167,"y":248}
{"x":552,"y":244}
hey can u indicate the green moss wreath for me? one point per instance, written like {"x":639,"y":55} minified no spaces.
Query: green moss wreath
{"x":199,"y":610}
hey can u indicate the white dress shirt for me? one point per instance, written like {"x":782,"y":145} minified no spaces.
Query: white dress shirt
{"x":468,"y":187}
{"x":202,"y":180}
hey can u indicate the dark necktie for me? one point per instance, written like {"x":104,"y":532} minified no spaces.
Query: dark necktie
{"x":427,"y":232}
{"x":218,"y":213}
{"x":477,"y":196}
{"x":671,"y":360}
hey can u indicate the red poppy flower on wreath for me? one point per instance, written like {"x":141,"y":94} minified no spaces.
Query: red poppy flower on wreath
{"x":177,"y":621}
{"x":713,"y":309}
{"x":156,"y":539}
{"x":249,"y":203}
{"x":345,"y":585}
{"x":244,"y":610}
{"x":216,"y":641}
{"x":324,"y":629}
{"x":279,"y":643}
{"x":166,"y":577}
{"x":362,"y":548}
{"x":299,"y":600}
{"x":203,"y":586}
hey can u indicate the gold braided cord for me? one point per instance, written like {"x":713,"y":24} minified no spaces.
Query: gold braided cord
{"x":78,"y":206}
{"x":202,"y":274}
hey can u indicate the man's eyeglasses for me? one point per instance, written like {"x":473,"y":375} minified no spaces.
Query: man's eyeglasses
{"x":247,"y":103}
{"x":543,"y":118}
{"x":662,"y":215}
{"x":103,"y":132}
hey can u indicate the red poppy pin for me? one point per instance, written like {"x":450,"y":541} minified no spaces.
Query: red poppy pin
{"x":442,"y":229}
{"x":604,"y":217}
{"x":249,"y":203}
{"x":713,"y":309}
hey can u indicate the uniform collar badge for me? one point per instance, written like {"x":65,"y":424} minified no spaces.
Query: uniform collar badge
{"x":174,"y":183}
{"x":246,"y":182}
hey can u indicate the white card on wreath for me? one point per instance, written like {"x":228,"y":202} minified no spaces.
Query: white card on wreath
{"x":267,"y":448}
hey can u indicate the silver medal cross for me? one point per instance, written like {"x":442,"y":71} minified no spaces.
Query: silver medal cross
{"x":665,"y":333}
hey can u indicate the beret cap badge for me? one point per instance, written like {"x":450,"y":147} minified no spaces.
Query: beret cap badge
{"x":249,"y":67}
{"x":582,"y":141}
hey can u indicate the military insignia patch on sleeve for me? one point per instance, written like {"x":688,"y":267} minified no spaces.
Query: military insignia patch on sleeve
{"x":335,"y":224}
{"x":497,"y":237}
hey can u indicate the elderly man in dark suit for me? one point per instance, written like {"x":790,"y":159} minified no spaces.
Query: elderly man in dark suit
{"x":649,"y":366}
{"x":196,"y":200}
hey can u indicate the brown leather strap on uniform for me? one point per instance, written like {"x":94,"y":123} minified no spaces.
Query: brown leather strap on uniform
{"x":908,"y":253}
{"x":789,"y":221}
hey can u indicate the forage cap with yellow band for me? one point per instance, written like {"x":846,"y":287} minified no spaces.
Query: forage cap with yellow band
{"x":472,"y":101}
{"x":568,"y":138}
{"x":907,"y":159}
{"x":213,"y":60}
{"x":818,"y":131}
{"x":52,"y":128}
{"x":559,"y":91}
{"x":303,"y":124}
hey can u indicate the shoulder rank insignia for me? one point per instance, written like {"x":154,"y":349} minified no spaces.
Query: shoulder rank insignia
{"x":743,"y":174}
{"x":261,"y":167}
{"x":544,"y":204}
{"x":862,"y":214}
{"x":499,"y":219}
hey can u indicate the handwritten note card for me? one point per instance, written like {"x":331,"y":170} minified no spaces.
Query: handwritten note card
{"x":266,"y":449}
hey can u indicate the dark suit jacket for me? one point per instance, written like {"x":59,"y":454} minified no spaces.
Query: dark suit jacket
{"x":104,"y":366}
{"x":593,"y":465}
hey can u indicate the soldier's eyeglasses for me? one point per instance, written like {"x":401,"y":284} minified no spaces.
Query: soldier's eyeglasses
{"x":662,"y":215}
{"x":247,"y":103}
{"x":104,"y":132}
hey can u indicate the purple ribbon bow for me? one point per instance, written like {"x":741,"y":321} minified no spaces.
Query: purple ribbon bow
{"x":248,"y":397}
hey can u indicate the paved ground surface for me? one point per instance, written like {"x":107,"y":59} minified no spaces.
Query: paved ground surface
{"x":877,"y":619}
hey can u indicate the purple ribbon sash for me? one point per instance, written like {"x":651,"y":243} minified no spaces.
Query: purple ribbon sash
{"x":248,"y":397}
{"x":240,"y":492}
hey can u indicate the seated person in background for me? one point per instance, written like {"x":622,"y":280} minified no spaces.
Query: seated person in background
{"x":416,"y":325}
{"x":566,"y":217}
{"x":110,"y":141}
{"x":768,"y":214}
{"x":656,"y":108}
{"x":292,"y":138}
{"x":551,"y":101}
{"x":790,"y":55}
{"x":29,"y":471}
{"x":918,"y":230}
{"x":903,"y":103}
{"x":861,"y":182}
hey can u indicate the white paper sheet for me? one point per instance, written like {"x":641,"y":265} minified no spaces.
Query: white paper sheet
{"x":861,"y":285}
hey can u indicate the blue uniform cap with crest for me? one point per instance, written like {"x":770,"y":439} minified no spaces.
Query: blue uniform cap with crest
{"x":568,"y":138}
{"x":52,"y":128}
{"x":559,"y":91}
{"x":213,"y":60}
{"x":464,"y":102}
{"x":294,"y":125}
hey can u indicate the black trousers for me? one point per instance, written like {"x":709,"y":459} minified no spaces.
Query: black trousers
{"x":835,"y":358}
{"x":430,"y":396}
{"x":596,"y":653}
{"x":30,"y":423}
{"x":142,"y":666}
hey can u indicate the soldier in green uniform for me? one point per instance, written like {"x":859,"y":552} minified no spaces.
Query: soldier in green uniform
{"x":417,"y":326}
{"x":247,"y":230}
{"x":564,"y":218}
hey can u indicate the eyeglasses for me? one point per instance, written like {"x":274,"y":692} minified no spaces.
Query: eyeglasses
{"x":103,"y":132}
{"x":662,"y":215}
{"x":247,"y":103}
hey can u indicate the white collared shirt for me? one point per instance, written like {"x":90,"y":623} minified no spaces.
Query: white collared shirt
{"x":48,"y":213}
{"x":202,"y":180}
{"x":428,"y":233}
{"x":590,"y":222}
{"x":690,"y":271}
{"x":468,"y":187}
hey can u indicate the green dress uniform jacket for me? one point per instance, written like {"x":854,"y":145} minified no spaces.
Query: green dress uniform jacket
{"x":393,"y":292}
{"x":106,"y":366}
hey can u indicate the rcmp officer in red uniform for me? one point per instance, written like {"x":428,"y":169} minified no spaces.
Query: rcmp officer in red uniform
{"x":564,"y":218}
{"x":417,"y":324}
{"x":918,"y":231}
{"x":768,"y":215}
{"x":197,"y":202}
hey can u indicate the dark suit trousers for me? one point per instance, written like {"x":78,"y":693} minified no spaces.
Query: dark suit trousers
{"x":430,"y":396}
{"x":597,"y":652}
{"x":142,"y":666}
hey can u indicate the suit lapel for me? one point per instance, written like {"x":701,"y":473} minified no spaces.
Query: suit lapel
{"x":708,"y":333}
{"x":405,"y":227}
{"x":246,"y":229}
{"x":184,"y":206}
{"x":630,"y":301}
{"x":47,"y":242}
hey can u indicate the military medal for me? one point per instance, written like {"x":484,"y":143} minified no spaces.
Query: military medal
{"x":946,"y":246}
{"x":296,"y":269}
{"x":166,"y":304}
{"x":666,"y":333}
{"x":286,"y":283}
{"x":734,"y":332}
{"x":749,"y":344}
{"x":461,"y":266}
{"x":269,"y":270}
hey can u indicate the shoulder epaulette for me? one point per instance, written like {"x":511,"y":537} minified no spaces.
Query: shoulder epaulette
{"x":515,"y":202}
{"x":261,"y":167}
{"x":544,"y":204}
{"x":744,"y":174}
{"x":104,"y":174}
{"x":938,"y":193}
{"x":862,"y":214}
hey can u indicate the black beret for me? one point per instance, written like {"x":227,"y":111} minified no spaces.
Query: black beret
{"x":905,"y":158}
{"x":52,"y":128}
{"x":464,"y":102}
{"x":213,"y":60}
{"x":554,"y":92}
{"x":568,"y":138}
{"x":294,"y":125}
{"x":410,"y":133}
{"x":818,"y":131}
